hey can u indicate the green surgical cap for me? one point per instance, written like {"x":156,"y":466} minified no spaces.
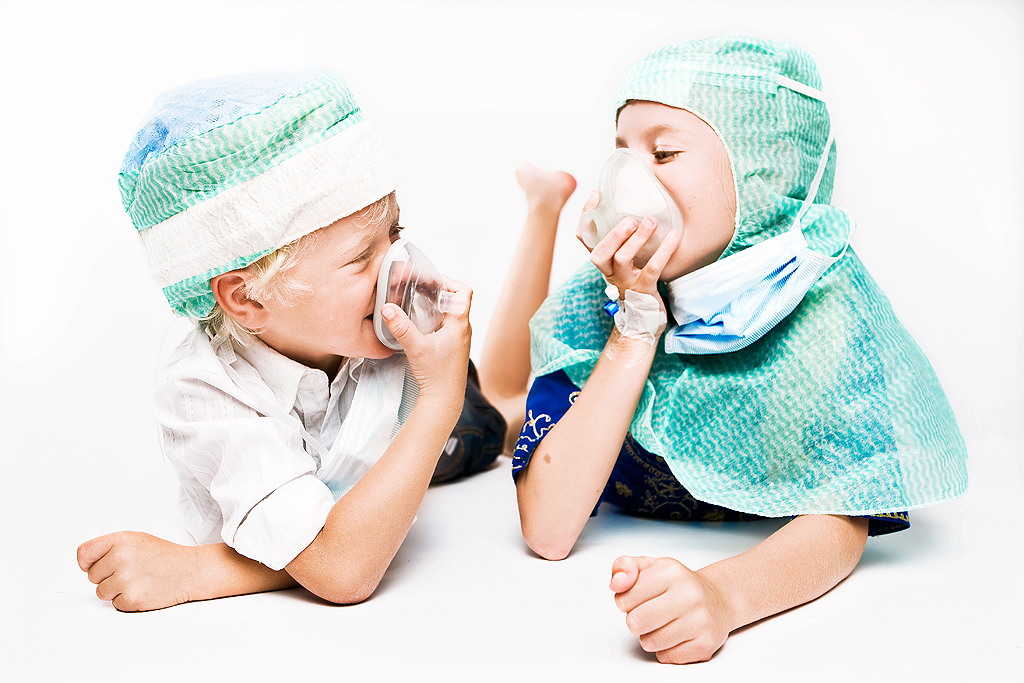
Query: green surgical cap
{"x":775,"y":136}
{"x":225,"y":170}
{"x":835,"y":410}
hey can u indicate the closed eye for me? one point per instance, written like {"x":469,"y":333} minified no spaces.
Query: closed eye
{"x":362,"y":258}
{"x":367,"y":255}
{"x":663,"y":155}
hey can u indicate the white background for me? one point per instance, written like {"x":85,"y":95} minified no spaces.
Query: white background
{"x":927,"y":99}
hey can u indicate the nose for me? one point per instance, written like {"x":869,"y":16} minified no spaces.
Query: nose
{"x":375,"y":268}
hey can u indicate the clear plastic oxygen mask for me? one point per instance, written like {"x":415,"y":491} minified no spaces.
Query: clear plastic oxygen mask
{"x":629,"y":189}
{"x":409,"y":279}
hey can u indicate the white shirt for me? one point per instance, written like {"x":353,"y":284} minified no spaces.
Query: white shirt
{"x":247,"y":477}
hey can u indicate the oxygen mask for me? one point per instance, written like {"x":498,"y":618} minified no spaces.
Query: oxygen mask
{"x":629,"y":189}
{"x":408,"y":278}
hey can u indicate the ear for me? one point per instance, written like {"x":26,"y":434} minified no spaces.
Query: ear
{"x":231,"y":291}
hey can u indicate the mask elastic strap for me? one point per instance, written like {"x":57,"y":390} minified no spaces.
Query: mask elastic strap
{"x":814,"y":93}
{"x":812,"y":192}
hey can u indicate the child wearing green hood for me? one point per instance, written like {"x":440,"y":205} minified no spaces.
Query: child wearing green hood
{"x":784,"y":386}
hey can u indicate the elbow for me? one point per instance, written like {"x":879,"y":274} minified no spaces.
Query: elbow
{"x":346,"y":592}
{"x":549,"y":533}
{"x":849,"y":536}
{"x":339,"y":571}
{"x":856,"y":540}
{"x":346,"y":598}
{"x":550,"y":544}
{"x":345,"y":586}
{"x":553,"y":552}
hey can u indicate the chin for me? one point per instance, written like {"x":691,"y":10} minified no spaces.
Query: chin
{"x":374,"y":347}
{"x":384,"y":352}
{"x":377,"y":350}
{"x":673,"y":271}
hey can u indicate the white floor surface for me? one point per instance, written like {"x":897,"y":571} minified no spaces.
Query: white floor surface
{"x":927,"y":99}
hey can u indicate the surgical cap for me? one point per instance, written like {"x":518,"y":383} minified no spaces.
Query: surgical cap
{"x":226,"y":170}
{"x":835,"y":410}
{"x":774,"y":136}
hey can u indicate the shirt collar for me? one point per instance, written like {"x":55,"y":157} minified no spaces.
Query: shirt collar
{"x":282,"y":374}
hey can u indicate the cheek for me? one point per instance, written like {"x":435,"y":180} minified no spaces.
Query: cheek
{"x":711,"y":202}
{"x":688,"y":186}
{"x":357,"y":296}
{"x":678,"y":186}
{"x":708,"y":223}
{"x":726,"y":185}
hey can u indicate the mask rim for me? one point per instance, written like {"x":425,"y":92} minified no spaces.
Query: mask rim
{"x":728,"y":154}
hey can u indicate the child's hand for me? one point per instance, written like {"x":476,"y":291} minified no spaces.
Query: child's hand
{"x":615,"y":253}
{"x":676,"y":613}
{"x":138,"y":572}
{"x":439,"y":360}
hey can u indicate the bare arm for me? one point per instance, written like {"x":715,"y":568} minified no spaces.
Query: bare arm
{"x":364,"y":529}
{"x":571,"y":465}
{"x":505,"y":363}
{"x":344,"y":564}
{"x":138,"y":572}
{"x":796,"y":564}
{"x":686,"y":616}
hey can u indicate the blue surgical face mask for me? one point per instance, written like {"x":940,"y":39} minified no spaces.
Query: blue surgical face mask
{"x":733,"y":302}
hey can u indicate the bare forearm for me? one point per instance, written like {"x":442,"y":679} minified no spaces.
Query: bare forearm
{"x":798,"y":563}
{"x":571,"y":466}
{"x":505,"y":362}
{"x":362,"y":534}
{"x":222,"y":572}
{"x":367,"y":525}
{"x":137,"y":571}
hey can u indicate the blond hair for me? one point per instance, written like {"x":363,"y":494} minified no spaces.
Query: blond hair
{"x":272,"y":277}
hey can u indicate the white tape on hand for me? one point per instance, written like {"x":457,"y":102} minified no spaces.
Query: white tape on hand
{"x":639,"y":317}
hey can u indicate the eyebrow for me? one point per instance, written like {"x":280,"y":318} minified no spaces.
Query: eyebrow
{"x":366,"y":251}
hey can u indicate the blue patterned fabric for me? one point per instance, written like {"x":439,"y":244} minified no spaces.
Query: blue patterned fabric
{"x":197,"y":108}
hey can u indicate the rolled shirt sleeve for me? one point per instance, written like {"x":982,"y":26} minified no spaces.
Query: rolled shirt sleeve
{"x":284,"y":523}
{"x":246,"y":478}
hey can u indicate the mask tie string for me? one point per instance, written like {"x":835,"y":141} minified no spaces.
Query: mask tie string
{"x":812,"y":192}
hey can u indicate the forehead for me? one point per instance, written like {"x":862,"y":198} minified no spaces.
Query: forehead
{"x":384,"y":211}
{"x":354,"y":232}
{"x":647,"y":119}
